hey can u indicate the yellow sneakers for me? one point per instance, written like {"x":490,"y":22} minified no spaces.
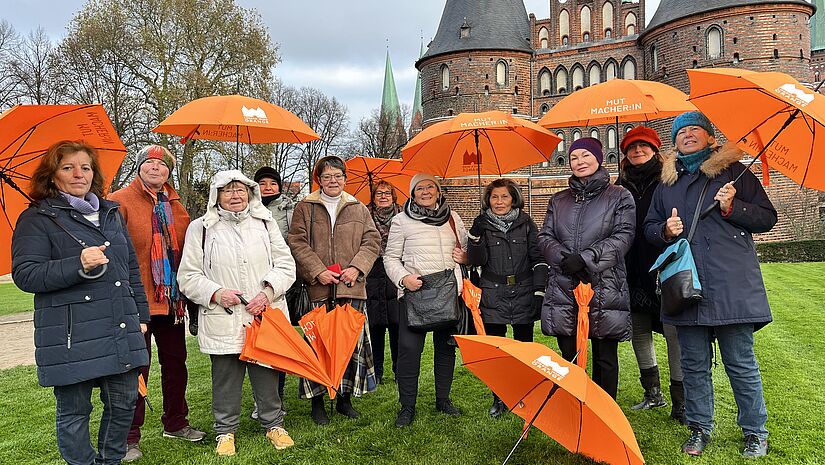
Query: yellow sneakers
{"x":279,"y":438}
{"x":226,"y":445}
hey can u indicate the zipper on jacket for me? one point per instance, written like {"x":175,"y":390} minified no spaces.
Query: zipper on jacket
{"x":69,"y":327}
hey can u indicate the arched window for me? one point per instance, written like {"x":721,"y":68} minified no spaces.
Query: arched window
{"x":445,"y":77}
{"x":501,"y":73}
{"x":595,"y":74}
{"x":565,"y":40}
{"x":607,"y":19}
{"x":577,"y":135}
{"x":628,"y":128}
{"x":561,"y":161}
{"x":611,"y":159}
{"x":594,"y":133}
{"x":629,"y":70}
{"x":544,"y":38}
{"x":654,"y":57}
{"x":564,"y":26}
{"x":584,"y":17}
{"x":610,"y":71}
{"x":561,"y":81}
{"x":630,"y":24}
{"x":714,"y":38}
{"x":544,"y":108}
{"x":545,"y":84}
{"x":578,"y":77}
{"x":611,"y":137}
{"x":560,"y":147}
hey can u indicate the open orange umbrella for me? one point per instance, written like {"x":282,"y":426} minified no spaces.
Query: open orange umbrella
{"x":617,"y":100}
{"x":553,"y":395}
{"x":583,"y":293}
{"x":770,"y":115}
{"x":363,"y":173}
{"x":491,"y":142}
{"x":236,"y":118}
{"x":28,"y":131}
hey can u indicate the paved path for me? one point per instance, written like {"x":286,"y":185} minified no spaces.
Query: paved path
{"x":17,"y":336}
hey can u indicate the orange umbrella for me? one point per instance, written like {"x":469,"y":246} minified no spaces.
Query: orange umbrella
{"x":554,"y":395}
{"x":28,"y":131}
{"x":276,"y":343}
{"x":769,"y":115}
{"x":363,"y":173}
{"x":583,"y":293}
{"x":472,"y":298}
{"x":336,"y":334}
{"x":491,"y":142}
{"x":617,"y":100}
{"x":143,"y":391}
{"x":236,"y":118}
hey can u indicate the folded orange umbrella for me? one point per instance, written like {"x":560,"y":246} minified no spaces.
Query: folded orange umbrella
{"x":363,"y":173}
{"x":472,"y":298}
{"x":340,"y":330}
{"x":553,"y":395}
{"x":583,"y":293}
{"x":309,"y":326}
{"x":770,"y":115}
{"x":143,"y":391}
{"x":28,"y":131}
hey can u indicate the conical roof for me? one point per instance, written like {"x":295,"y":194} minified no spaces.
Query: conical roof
{"x":481,"y":25}
{"x":672,"y":10}
{"x":389,"y":97}
{"x":417,"y":109}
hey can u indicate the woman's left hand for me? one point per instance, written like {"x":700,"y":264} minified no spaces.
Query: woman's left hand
{"x":349,"y":275}
{"x":143,"y":328}
{"x":725,"y":197}
{"x":460,"y":256}
{"x":257,"y":304}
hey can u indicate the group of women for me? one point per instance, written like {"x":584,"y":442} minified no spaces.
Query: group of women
{"x":98,"y":296}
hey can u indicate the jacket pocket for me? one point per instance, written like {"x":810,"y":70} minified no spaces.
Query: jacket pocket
{"x":216,"y":323}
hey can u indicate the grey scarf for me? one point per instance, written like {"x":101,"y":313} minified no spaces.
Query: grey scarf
{"x":502,"y":222}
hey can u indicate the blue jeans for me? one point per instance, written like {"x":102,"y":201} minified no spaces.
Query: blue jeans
{"x":118,"y":394}
{"x":736,"y":346}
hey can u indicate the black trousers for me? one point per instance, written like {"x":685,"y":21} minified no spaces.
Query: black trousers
{"x":410,"y":347}
{"x":522,"y":332}
{"x":605,"y":360}
{"x":377,"y":338}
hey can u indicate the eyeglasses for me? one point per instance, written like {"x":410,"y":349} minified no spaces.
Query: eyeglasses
{"x":330,"y":177}
{"x":383,"y":194}
{"x":426,"y":187}
{"x":240,"y":192}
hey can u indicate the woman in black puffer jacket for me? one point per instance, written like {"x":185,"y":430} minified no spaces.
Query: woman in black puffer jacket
{"x":587,"y":232}
{"x":513,"y":273}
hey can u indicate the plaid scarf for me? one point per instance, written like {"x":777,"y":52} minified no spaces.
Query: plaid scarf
{"x":165,"y":257}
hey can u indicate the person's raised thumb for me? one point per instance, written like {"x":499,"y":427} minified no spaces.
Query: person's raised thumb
{"x":101,"y":247}
{"x":674,"y":214}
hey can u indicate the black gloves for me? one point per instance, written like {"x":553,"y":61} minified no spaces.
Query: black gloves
{"x":535,"y":306}
{"x":478,"y":226}
{"x":573,"y":265}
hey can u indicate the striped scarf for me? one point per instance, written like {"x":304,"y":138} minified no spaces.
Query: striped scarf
{"x":165,"y":257}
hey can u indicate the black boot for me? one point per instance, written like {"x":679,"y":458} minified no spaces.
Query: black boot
{"x":497,"y":408}
{"x":446,"y":406}
{"x":653,"y":391}
{"x":319,"y":412}
{"x":343,"y":405}
{"x":677,"y":398}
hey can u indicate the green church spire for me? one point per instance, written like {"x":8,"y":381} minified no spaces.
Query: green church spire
{"x":389,"y":99}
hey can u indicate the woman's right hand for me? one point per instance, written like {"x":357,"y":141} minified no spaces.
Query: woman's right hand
{"x":92,"y":257}
{"x":229,"y":297}
{"x":412,"y":282}
{"x":673,"y":225}
{"x":328,"y":277}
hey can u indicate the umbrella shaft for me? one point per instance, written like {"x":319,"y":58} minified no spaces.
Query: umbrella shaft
{"x":529,"y":425}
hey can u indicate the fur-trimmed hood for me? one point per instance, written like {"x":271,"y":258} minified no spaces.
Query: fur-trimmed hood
{"x":721,"y":158}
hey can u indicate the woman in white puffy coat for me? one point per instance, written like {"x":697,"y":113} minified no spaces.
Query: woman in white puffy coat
{"x":236,"y":249}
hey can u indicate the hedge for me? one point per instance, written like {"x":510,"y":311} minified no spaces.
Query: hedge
{"x":792,"y":251}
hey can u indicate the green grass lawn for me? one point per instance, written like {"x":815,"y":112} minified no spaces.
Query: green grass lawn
{"x":789,"y":352}
{"x":13,"y":300}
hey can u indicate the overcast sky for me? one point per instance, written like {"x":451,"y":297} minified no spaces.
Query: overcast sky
{"x":338,"y":47}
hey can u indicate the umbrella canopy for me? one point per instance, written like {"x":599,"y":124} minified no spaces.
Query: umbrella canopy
{"x":583,"y":293}
{"x":554,"y":395}
{"x":768,"y":114}
{"x":334,"y":336}
{"x":28,"y":131}
{"x":363,"y":173}
{"x":490,"y":143}
{"x":617,"y":100}
{"x":472,"y":299}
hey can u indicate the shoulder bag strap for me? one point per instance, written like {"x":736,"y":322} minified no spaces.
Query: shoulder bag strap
{"x":698,"y":211}
{"x":455,"y":231}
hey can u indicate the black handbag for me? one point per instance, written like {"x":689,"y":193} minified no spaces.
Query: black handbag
{"x":435,"y":304}
{"x":297,"y":296}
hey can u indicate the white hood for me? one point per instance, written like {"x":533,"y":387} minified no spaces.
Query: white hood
{"x":222,"y":178}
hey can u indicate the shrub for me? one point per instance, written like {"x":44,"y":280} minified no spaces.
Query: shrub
{"x":792,"y":251}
